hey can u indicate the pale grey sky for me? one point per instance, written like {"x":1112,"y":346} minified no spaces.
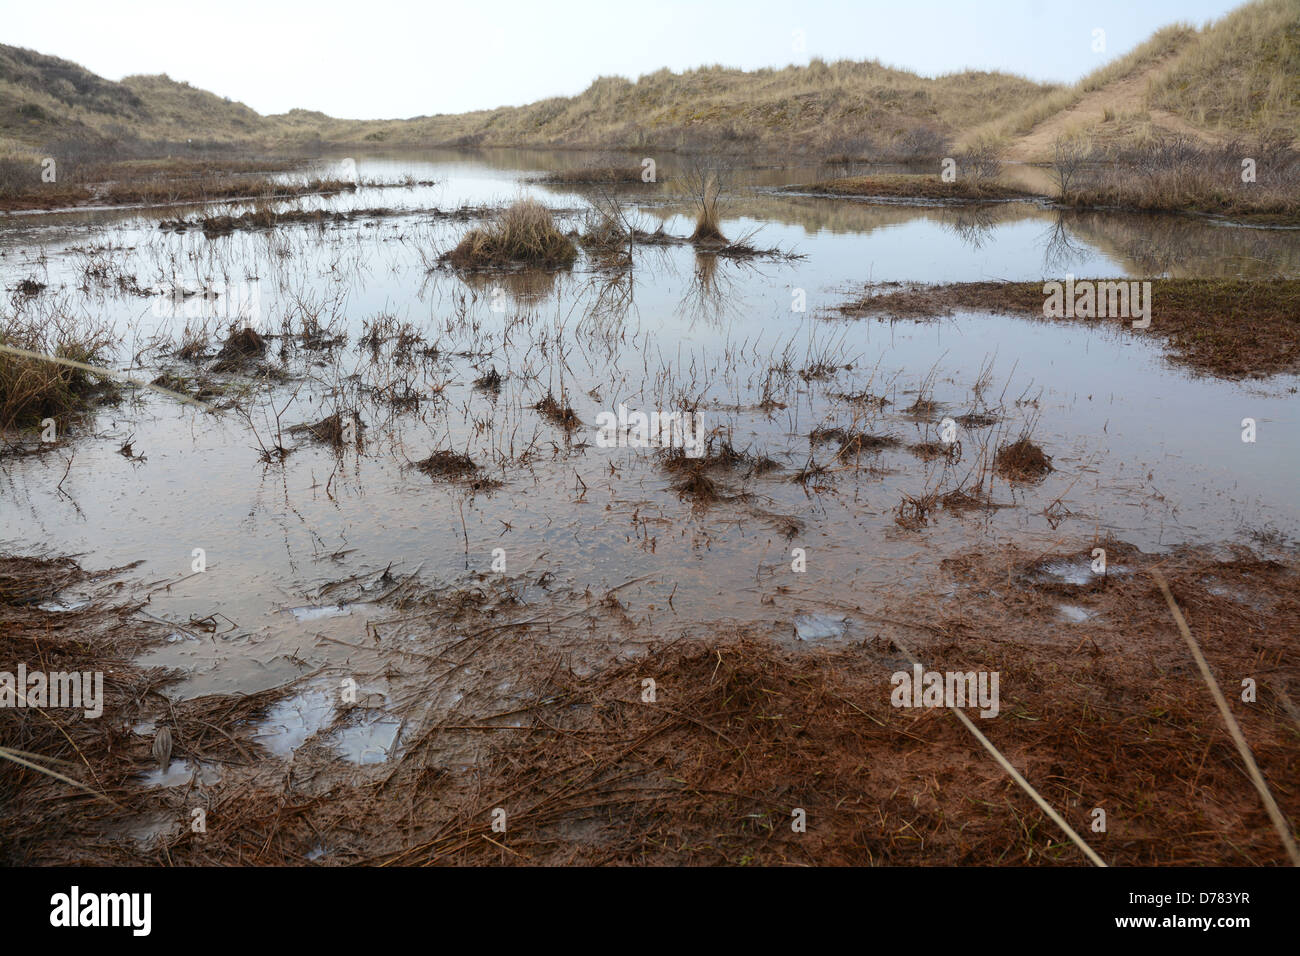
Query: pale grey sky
{"x":385,"y":58}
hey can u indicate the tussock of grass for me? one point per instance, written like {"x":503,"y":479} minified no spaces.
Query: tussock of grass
{"x":447,"y":465}
{"x":524,"y":233}
{"x":243,"y":346}
{"x":34,"y":389}
{"x":558,"y":413}
{"x":1022,"y":460}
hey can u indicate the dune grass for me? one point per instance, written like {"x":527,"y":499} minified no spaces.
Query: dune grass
{"x":34,"y":389}
{"x":523,"y":233}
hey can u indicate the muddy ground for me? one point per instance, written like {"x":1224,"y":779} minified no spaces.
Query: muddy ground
{"x":518,"y":709}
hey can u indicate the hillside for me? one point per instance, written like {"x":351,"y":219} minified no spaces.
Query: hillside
{"x":1239,"y":76}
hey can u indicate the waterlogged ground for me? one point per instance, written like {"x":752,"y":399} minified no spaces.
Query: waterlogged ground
{"x":360,"y":317}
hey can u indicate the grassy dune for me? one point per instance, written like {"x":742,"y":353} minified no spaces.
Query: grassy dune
{"x":1236,"y":78}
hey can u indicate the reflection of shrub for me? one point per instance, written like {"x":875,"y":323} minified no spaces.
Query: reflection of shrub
{"x":522,"y":233}
{"x":1176,"y":173}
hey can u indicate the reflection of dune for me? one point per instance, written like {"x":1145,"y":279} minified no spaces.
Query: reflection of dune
{"x":847,"y":216}
{"x":1188,"y":246}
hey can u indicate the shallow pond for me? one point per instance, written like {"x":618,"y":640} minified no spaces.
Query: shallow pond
{"x":1143,"y":449}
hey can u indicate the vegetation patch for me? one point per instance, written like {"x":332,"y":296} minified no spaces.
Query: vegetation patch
{"x":1233,"y":328}
{"x":522,"y":234}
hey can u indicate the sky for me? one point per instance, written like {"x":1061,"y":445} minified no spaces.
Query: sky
{"x":387,"y":59}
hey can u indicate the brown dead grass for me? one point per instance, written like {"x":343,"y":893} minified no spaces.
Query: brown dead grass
{"x":522,"y":234}
{"x":1232,"y":328}
{"x":928,"y":187}
{"x":743,"y":731}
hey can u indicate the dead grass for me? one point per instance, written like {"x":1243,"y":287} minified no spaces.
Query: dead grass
{"x":558,"y":413}
{"x":522,"y":234}
{"x":1022,"y":460}
{"x":741,"y":734}
{"x":902,"y":186}
{"x":34,"y":389}
{"x":244,"y":345}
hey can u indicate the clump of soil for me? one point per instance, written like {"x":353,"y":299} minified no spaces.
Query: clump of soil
{"x":490,"y":381}
{"x":1022,"y":460}
{"x":851,"y":441}
{"x":930,"y":450}
{"x":243,"y":346}
{"x":330,"y":429}
{"x":448,"y":465}
{"x":557,"y":413}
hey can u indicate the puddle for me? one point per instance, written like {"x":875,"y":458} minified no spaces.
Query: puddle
{"x":1075,"y":614}
{"x":317,"y":613}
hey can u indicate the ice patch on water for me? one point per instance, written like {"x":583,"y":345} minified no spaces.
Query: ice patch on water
{"x":292,"y":722}
{"x":817,"y":627}
{"x":312,"y":613}
{"x":1075,"y":614}
{"x":372,"y":741}
{"x":62,"y":605}
{"x":178,"y":773}
{"x":1078,"y":571}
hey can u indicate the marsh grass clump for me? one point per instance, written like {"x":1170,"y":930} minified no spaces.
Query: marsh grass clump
{"x":930,"y":450}
{"x":697,"y":486}
{"x":523,"y":233}
{"x":717,"y":456}
{"x":28,"y":288}
{"x":331,"y":429}
{"x":913,"y":511}
{"x":490,"y":381}
{"x":448,"y":465}
{"x":558,"y":413}
{"x":33,"y":389}
{"x":1022,"y":460}
{"x":241,"y":347}
{"x":851,"y":441}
